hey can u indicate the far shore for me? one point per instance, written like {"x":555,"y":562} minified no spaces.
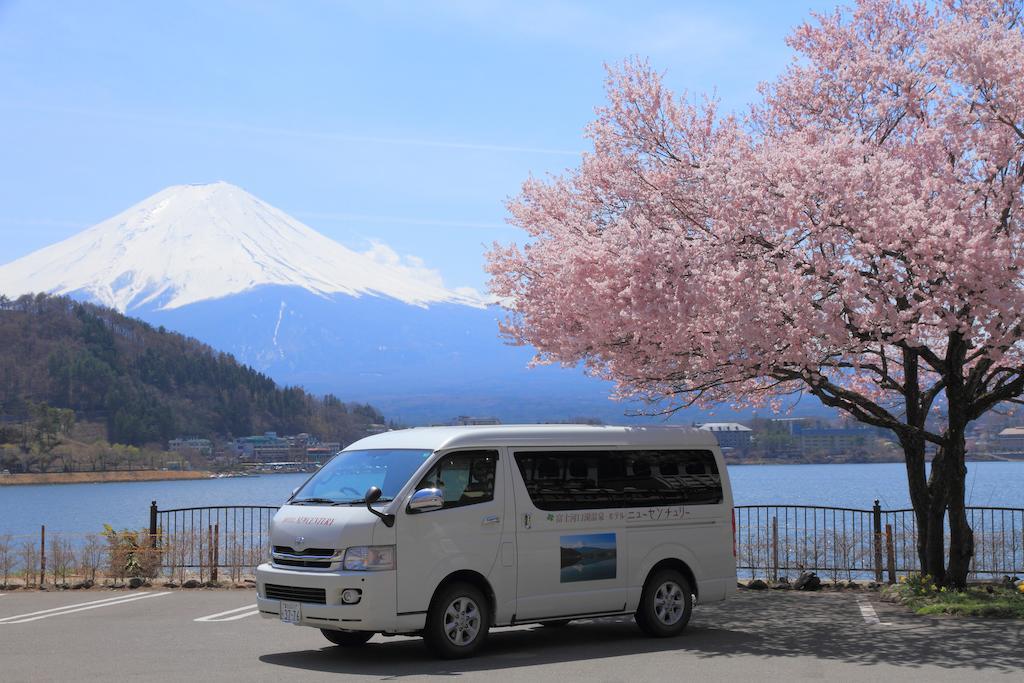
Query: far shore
{"x":99,"y":477}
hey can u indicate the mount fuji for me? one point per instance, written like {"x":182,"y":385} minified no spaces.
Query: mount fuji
{"x":216,"y":263}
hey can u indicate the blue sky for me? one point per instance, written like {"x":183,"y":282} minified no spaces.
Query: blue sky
{"x":404,"y":123}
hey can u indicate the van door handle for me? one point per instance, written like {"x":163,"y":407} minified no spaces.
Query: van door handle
{"x":490,"y":520}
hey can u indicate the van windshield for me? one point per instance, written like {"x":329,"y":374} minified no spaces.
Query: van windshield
{"x":346,"y":478}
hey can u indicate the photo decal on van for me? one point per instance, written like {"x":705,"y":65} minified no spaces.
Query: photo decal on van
{"x":587,"y":557}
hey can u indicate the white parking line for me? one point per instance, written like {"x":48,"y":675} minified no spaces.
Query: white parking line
{"x":79,"y":607}
{"x":79,"y":604}
{"x":223,"y":616}
{"x":869,"y":613}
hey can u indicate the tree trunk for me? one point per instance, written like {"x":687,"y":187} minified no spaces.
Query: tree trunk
{"x":961,"y":537}
{"x":933,"y":531}
{"x":920,"y":495}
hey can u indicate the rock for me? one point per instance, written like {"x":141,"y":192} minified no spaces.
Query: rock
{"x":808,"y":581}
{"x":211,"y":584}
{"x":757,"y":585}
{"x":252,"y":581}
{"x":874,"y":585}
{"x":1010,"y":582}
{"x":170,"y":584}
{"x":191,"y":583}
{"x":853,"y":585}
{"x":135,"y":582}
{"x":781,"y":586}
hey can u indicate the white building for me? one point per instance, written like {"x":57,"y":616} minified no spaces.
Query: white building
{"x":730,"y":434}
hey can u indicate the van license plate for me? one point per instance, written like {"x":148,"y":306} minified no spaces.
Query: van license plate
{"x":290,"y":612}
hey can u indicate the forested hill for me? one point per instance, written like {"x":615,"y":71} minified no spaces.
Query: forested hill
{"x":149,"y":385}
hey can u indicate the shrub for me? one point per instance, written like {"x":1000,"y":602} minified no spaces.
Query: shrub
{"x":131,"y":553}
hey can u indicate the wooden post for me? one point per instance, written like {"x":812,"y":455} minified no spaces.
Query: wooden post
{"x":775,"y":548}
{"x":152,"y":524}
{"x":876,"y":513}
{"x":890,"y":554}
{"x":216,"y":551}
{"x":42,"y":555}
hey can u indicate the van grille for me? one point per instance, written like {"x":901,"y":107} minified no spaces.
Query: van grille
{"x":308,"y":552}
{"x":310,"y":558}
{"x":295,"y":594}
{"x":309,"y":564}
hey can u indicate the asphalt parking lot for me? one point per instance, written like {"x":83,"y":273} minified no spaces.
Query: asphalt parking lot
{"x":162,"y":635}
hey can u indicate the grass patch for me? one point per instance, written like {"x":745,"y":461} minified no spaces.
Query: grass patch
{"x":922,"y":596}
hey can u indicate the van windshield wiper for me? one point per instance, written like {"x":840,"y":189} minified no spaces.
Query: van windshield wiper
{"x":314,"y":501}
{"x":362,"y":501}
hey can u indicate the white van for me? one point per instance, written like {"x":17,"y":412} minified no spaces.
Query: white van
{"x":448,"y":531}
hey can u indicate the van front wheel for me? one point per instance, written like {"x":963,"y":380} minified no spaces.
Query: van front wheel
{"x":347,"y":638}
{"x":458,"y":621}
{"x":665,"y":604}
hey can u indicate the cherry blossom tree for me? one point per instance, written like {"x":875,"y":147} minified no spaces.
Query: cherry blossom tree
{"x":856,"y":236}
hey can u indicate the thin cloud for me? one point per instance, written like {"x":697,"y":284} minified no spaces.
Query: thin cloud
{"x":41,"y":223}
{"x":296,"y":133}
{"x":364,"y":218}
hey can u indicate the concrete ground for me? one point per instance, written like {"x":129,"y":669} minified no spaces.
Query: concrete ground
{"x":160,"y":635}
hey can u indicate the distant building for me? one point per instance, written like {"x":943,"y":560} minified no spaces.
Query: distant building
{"x":1009,"y":440}
{"x":202,"y":446}
{"x":729,"y":434}
{"x":833,"y":440}
{"x":322,"y":452}
{"x":467,"y":421}
{"x":266,"y":448}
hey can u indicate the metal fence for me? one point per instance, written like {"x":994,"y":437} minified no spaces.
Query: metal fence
{"x":771,"y":540}
{"x":849,"y":543}
{"x":204,"y":540}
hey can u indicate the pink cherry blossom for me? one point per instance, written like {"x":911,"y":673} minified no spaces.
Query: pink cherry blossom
{"x":857,"y":235}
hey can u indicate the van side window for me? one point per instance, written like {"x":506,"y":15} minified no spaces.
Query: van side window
{"x":465,"y":477}
{"x":581,"y":480}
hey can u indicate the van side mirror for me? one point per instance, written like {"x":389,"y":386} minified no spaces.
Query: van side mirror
{"x":426,"y":500}
{"x":372,"y":496}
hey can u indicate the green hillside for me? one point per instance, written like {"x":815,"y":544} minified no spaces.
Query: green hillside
{"x":148,"y":385}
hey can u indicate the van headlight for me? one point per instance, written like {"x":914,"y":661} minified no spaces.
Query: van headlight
{"x":370,"y":558}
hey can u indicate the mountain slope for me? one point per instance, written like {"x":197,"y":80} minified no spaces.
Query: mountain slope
{"x":149,"y":385}
{"x":217,"y":264}
{"x":191,"y":243}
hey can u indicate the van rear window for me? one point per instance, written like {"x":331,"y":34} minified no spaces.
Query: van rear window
{"x":585,"y":480}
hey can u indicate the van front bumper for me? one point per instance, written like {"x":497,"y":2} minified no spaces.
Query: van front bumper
{"x":375,"y":611}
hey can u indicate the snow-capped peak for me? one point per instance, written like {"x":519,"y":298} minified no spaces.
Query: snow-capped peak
{"x":191,"y":243}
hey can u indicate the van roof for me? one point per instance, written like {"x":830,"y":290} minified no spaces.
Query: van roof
{"x":437,"y":438}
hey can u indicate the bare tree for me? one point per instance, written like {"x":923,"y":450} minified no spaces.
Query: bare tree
{"x":7,"y":559}
{"x":90,"y":557}
{"x":29,"y":562}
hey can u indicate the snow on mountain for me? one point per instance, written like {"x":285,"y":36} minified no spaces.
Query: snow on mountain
{"x":193,"y":243}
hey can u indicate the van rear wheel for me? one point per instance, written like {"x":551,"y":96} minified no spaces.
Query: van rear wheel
{"x":347,"y":638}
{"x":665,"y":604}
{"x":458,"y":621}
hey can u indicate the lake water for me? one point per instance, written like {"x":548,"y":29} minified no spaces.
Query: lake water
{"x":84,"y":508}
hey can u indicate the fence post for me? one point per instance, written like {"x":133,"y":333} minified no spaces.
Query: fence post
{"x":876,"y":513}
{"x":216,"y":551}
{"x":42,"y":555}
{"x":209,"y":548}
{"x":775,"y":548}
{"x":152,"y":524}
{"x":890,"y":554}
